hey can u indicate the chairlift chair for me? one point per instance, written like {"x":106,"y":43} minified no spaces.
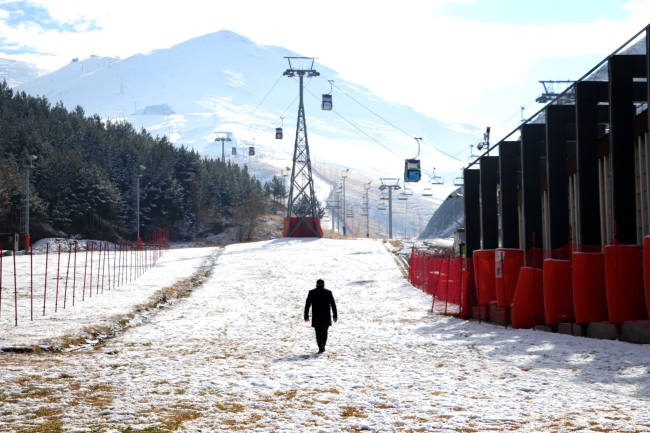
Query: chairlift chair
{"x":426,"y":192}
{"x":408,"y":191}
{"x":436,"y":180}
{"x":459,"y":181}
{"x":402,"y":196}
{"x":383,"y":196}
{"x":381,"y":206}
{"x":251,"y":151}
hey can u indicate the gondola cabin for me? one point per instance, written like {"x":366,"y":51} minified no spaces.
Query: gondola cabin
{"x":412,"y":172}
{"x":326,"y":103}
{"x":251,"y":151}
{"x":278,"y":133}
{"x":234,"y":151}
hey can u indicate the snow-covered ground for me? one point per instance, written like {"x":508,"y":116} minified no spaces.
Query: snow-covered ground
{"x":86,"y":295}
{"x":236,"y":355}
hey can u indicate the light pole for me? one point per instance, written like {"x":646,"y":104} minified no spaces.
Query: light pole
{"x":137,"y":197}
{"x":390,"y":184}
{"x":367,"y":205}
{"x":24,"y":221}
{"x":223,"y":137}
{"x":343,"y":176}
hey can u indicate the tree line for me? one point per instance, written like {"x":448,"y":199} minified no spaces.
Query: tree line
{"x":84,"y":178}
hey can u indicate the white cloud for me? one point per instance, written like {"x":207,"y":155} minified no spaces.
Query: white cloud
{"x":408,"y":52}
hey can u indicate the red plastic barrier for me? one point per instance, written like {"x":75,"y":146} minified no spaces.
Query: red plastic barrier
{"x":624,"y":283}
{"x":484,"y":276}
{"x":507,"y":263}
{"x":295,"y":228}
{"x":646,"y":270}
{"x":528,"y":302}
{"x":558,"y":296}
{"x":589,"y":292}
{"x":434,"y":274}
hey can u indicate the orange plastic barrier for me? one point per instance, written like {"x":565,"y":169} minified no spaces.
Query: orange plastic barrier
{"x":484,"y":276}
{"x":507,"y":263}
{"x":528,"y":303}
{"x":305,"y":228}
{"x":624,"y":283}
{"x":558,"y":299}
{"x":589,"y":292}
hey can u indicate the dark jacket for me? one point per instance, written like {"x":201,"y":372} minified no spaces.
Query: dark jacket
{"x":320,"y":300}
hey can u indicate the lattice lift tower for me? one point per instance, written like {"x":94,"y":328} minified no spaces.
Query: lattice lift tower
{"x":301,"y":205}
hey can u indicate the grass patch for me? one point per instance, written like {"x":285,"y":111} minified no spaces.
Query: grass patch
{"x":50,"y":426}
{"x":287,"y":394}
{"x":174,"y":419}
{"x":351,"y":411}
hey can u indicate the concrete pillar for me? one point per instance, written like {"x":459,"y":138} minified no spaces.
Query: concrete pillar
{"x":532,"y":142}
{"x":472,"y":202}
{"x":509,"y":170}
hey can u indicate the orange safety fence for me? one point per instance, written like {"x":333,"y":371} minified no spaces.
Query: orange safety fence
{"x":573,"y":284}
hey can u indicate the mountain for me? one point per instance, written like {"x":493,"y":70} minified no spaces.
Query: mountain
{"x":447,"y":217}
{"x":226,"y":82}
{"x":17,"y":73}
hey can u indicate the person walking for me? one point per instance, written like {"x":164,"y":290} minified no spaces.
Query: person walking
{"x":320,"y":300}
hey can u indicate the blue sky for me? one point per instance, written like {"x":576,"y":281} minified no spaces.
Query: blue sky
{"x":467,"y":61}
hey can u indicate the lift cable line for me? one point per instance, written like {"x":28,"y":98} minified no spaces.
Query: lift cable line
{"x":263,"y":99}
{"x":271,"y":125}
{"x":361,"y":130}
{"x":571,"y":88}
{"x":391,"y":124}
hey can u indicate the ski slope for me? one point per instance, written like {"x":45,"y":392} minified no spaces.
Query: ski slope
{"x":237,"y":355}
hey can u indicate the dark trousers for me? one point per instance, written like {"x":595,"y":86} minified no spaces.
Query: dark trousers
{"x":321,"y":335}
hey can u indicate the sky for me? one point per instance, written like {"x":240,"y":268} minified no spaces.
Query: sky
{"x":464,"y":61}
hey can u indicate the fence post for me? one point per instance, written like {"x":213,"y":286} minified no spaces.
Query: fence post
{"x":67,"y":273}
{"x":15,"y":289}
{"x":90,"y":285}
{"x":58,"y":274}
{"x":47,"y":252}
{"x":74,"y":273}
{"x":0,"y":279}
{"x":31,"y":280}
{"x":83,"y":294}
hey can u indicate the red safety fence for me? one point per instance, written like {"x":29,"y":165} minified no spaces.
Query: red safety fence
{"x":66,"y":272}
{"x":573,"y":284}
{"x":440,"y":276}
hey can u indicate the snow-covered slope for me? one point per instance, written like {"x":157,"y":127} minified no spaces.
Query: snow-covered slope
{"x":17,"y":73}
{"x":214,"y":82}
{"x":447,"y":217}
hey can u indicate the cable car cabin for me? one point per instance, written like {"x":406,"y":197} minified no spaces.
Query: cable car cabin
{"x":412,"y":172}
{"x":278,"y":133}
{"x":251,"y":151}
{"x":326,"y":103}
{"x":234,"y":151}
{"x":427,"y":192}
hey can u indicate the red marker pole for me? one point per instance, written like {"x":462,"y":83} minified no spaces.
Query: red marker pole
{"x":15,"y":289}
{"x":67,"y":273}
{"x":90,"y":286}
{"x":58,"y":269}
{"x":83,"y":293}
{"x":47,"y":251}
{"x":31,"y":280}
{"x":74,"y":274}
{"x":0,"y":279}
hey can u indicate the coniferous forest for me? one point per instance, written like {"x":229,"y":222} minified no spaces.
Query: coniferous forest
{"x":83,"y":180}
